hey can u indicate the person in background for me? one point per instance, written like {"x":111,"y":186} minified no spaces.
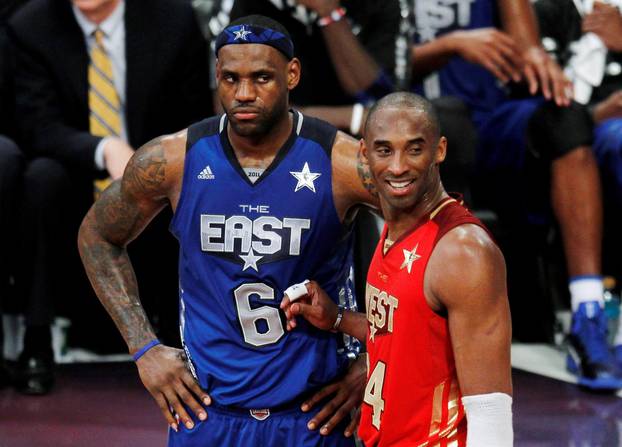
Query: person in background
{"x":11,"y":167}
{"x":94,"y":80}
{"x":532,"y":138}
{"x":584,"y":36}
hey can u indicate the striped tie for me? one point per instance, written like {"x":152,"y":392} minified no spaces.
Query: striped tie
{"x":104,"y":103}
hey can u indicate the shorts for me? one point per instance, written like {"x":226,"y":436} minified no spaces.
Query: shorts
{"x":532,"y":127}
{"x":503,"y":135}
{"x":519,"y":141}
{"x":227,"y":427}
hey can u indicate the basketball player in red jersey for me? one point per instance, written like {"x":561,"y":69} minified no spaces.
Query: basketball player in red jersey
{"x":437,"y":326}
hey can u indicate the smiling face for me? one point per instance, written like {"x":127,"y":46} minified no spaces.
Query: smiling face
{"x":403,"y":151}
{"x":254,"y":81}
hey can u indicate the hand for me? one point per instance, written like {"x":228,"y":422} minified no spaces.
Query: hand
{"x":490,"y":48}
{"x":316,"y":307}
{"x":606,"y":22}
{"x":163,"y":372}
{"x":323,"y":8}
{"x":543,"y":72}
{"x":116,"y":155}
{"x":347,"y":394}
{"x":609,"y":108}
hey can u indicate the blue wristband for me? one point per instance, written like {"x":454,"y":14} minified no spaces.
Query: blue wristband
{"x":145,"y":348}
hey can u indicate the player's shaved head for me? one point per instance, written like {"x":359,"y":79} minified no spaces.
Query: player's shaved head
{"x":409,"y":101}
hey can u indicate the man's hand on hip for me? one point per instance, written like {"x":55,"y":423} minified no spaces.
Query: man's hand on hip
{"x":347,"y":394}
{"x":164,"y":373}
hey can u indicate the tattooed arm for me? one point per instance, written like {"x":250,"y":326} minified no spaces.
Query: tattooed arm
{"x":151,"y":180}
{"x":352,"y":182}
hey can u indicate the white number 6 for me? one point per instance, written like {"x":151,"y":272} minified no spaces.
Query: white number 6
{"x":248,"y":317}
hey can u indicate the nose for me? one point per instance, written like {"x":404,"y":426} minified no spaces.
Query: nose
{"x":398,"y":165}
{"x":245,"y":91}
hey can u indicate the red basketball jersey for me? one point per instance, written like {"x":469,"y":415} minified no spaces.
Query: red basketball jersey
{"x":412,"y":396}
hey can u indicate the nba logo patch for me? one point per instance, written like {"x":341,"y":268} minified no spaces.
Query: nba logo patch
{"x":260,"y":415}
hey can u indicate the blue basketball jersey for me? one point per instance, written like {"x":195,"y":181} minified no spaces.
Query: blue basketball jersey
{"x":475,"y":85}
{"x":241,"y":245}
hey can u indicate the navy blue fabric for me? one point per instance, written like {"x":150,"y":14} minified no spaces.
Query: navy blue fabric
{"x":472,"y":83}
{"x":231,"y":429}
{"x":243,"y":34}
{"x":503,"y":135}
{"x":608,"y":150}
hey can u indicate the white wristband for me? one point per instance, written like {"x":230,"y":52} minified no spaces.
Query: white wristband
{"x":489,"y":420}
{"x":296,"y":291}
{"x":357,"y":118}
{"x":340,"y":311}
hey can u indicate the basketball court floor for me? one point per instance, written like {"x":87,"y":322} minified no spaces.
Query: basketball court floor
{"x":104,"y":405}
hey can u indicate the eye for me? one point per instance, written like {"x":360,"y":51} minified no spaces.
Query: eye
{"x":263,"y":78}
{"x":415,"y":150}
{"x":383,"y":150}
{"x":229,"y":78}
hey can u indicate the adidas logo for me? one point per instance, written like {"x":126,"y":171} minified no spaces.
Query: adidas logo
{"x":206,"y":174}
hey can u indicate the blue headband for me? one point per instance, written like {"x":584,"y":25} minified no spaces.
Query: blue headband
{"x":240,"y":34}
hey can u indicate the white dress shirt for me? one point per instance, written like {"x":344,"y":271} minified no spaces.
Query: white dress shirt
{"x":114,"y":44}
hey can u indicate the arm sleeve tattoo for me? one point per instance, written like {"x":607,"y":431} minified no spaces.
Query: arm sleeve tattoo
{"x":115,"y":219}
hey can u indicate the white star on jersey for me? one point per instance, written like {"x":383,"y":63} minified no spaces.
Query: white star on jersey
{"x":241,"y":34}
{"x":305,"y":178}
{"x":409,"y":258}
{"x":250,"y":260}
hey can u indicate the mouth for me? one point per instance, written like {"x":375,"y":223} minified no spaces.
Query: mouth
{"x":245,"y":114}
{"x":400,"y":187}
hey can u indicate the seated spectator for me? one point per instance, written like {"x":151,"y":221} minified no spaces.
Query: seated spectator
{"x":586,"y":39}
{"x":94,"y":80}
{"x":11,"y":167}
{"x":465,"y":53}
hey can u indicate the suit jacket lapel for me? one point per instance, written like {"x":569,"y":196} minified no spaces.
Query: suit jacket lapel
{"x":140,"y":50}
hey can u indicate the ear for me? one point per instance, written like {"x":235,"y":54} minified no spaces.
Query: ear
{"x":218,"y":68}
{"x":293,"y":73}
{"x":441,"y":150}
{"x":363,"y":151}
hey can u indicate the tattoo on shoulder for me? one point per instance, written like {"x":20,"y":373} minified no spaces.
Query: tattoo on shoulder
{"x":365,"y":175}
{"x":115,"y":212}
{"x":146,"y":171}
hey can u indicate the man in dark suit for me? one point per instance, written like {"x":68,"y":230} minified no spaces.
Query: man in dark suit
{"x":11,"y":167}
{"x":154,"y":62}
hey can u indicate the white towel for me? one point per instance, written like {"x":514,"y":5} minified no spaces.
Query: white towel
{"x":586,"y":67}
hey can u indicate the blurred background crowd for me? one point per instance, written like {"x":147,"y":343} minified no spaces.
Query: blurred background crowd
{"x":83,"y":83}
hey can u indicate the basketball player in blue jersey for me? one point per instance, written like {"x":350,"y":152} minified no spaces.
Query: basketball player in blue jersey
{"x":262,"y":196}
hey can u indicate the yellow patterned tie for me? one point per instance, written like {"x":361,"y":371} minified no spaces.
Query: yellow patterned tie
{"x":104,"y":103}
